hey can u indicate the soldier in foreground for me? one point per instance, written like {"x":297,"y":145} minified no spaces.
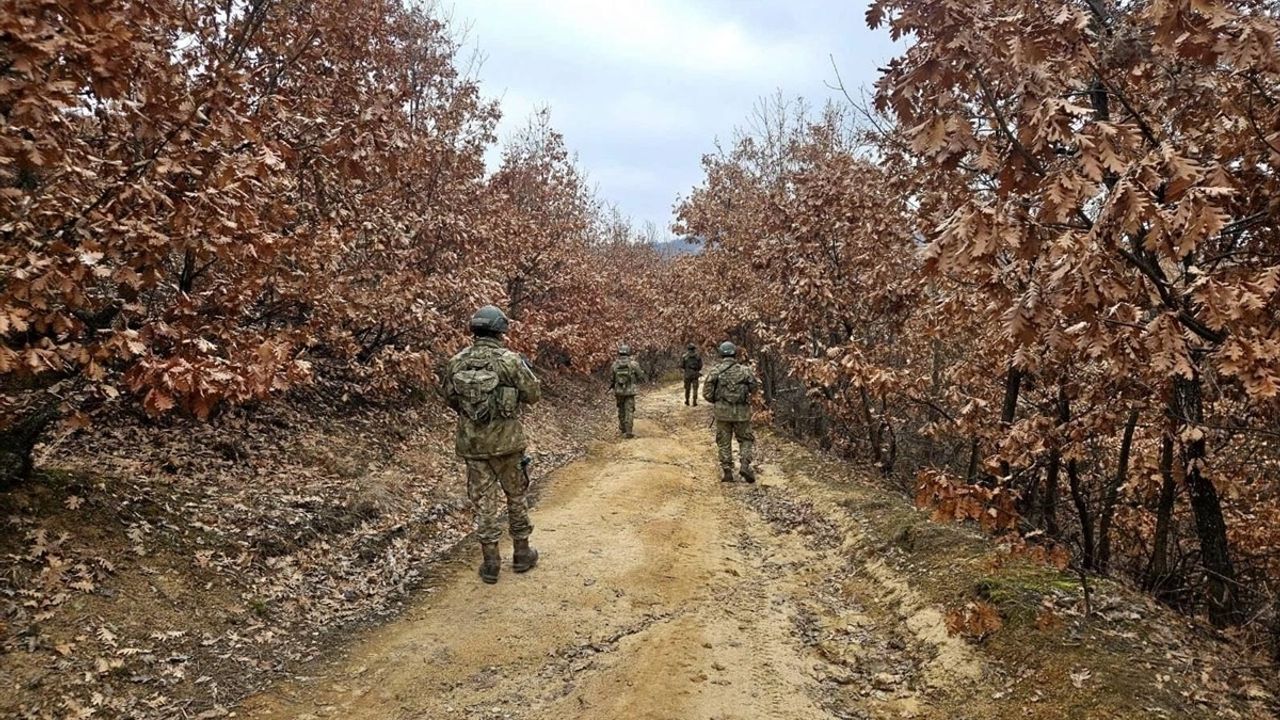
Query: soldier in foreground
{"x":691,"y":363}
{"x":730,"y":385}
{"x":623,"y":378}
{"x":486,"y":385}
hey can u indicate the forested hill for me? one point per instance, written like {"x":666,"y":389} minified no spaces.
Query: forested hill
{"x":677,"y":247}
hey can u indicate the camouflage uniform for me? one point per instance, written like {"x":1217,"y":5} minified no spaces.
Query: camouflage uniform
{"x":691,"y":363}
{"x":493,"y":449}
{"x":626,"y":395}
{"x":733,"y":419}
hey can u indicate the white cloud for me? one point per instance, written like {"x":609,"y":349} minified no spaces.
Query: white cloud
{"x":657,"y":34}
{"x":627,"y":177}
{"x":641,"y":89}
{"x":648,"y":114}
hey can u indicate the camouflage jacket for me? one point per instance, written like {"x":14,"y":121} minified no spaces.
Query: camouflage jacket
{"x":636,"y":373}
{"x":517,"y":386}
{"x":723,"y":381}
{"x":691,"y":363}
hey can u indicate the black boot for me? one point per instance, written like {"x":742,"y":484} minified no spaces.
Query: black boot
{"x":491,"y":564}
{"x":726,"y":475}
{"x":525,"y":557}
{"x":747,"y":473}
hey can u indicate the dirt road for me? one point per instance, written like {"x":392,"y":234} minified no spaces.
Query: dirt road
{"x":661,"y":593}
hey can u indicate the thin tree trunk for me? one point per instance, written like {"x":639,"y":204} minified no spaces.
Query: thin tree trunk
{"x":886,"y":430}
{"x":1049,"y":501}
{"x":1211,"y":526}
{"x":1082,"y":510}
{"x":1077,"y":491}
{"x":1028,"y":502}
{"x":873,"y":428}
{"x":1158,"y":568}
{"x":770,"y":383}
{"x":186,"y":280}
{"x":1012,"y":385}
{"x":935,"y":374}
{"x":18,"y":442}
{"x":973,"y":460}
{"x":1113,"y":492}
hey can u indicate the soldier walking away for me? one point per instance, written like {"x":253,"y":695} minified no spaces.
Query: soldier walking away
{"x":623,"y":378}
{"x":729,"y":385}
{"x":691,"y":363}
{"x":486,"y":385}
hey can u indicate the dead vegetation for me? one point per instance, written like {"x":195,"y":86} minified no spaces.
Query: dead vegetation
{"x":167,"y":570}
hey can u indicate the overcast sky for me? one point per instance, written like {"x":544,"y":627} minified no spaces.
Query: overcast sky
{"x":642,"y":89}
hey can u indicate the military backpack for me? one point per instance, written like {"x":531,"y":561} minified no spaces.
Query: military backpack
{"x":624,"y":378}
{"x":481,"y":395}
{"x":733,"y":386}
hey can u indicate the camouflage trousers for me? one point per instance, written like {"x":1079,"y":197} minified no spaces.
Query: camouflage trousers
{"x":726,"y":431}
{"x":691,"y":390}
{"x":626,"y":414}
{"x":487,"y":481}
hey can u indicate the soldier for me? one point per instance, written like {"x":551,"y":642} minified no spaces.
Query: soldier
{"x":623,"y":378}
{"x":730,"y":385}
{"x":691,"y":363}
{"x":486,"y":385}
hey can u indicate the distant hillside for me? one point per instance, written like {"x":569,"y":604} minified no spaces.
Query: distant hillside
{"x":679,"y":246}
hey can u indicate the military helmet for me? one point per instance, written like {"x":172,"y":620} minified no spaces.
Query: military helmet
{"x":624,"y":349}
{"x":728,"y":349}
{"x":691,"y":347}
{"x":490,"y":319}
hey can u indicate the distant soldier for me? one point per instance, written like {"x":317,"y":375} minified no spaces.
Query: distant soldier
{"x":486,"y":385}
{"x":623,"y":378}
{"x":691,"y":363}
{"x":730,"y":385}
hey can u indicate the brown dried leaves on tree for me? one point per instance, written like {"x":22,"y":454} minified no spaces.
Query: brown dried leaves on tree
{"x":1051,"y":252}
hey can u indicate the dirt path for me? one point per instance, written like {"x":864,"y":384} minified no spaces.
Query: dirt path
{"x":661,"y":593}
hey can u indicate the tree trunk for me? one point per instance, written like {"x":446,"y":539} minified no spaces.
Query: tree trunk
{"x":769,"y":382}
{"x":1049,"y":501}
{"x":1077,"y":491}
{"x":18,"y":442}
{"x":187,"y":279}
{"x":1158,"y":568}
{"x":886,"y":431}
{"x":1211,"y":526}
{"x":935,"y":373}
{"x":1082,"y":510}
{"x":873,"y":428}
{"x":1028,"y":502}
{"x":1012,"y":384}
{"x":973,"y":460}
{"x":1113,"y":492}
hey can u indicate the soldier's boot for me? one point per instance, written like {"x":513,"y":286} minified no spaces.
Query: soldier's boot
{"x":726,"y":475}
{"x":491,"y":564}
{"x":525,"y":557}
{"x":747,"y":473}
